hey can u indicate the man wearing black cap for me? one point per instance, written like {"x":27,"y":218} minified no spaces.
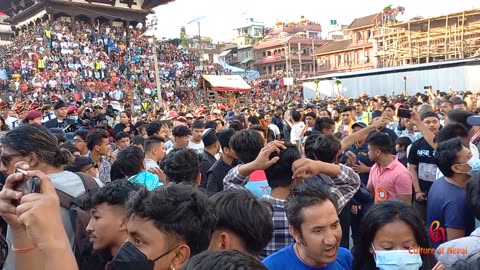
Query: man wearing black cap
{"x":222,"y":166}
{"x":61,"y":120}
{"x":212,"y":147}
{"x":383,"y":129}
{"x":356,"y":157}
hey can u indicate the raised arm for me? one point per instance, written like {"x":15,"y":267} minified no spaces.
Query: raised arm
{"x":346,"y":181}
{"x":362,"y":134}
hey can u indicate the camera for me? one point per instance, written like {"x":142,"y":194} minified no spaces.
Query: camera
{"x":112,"y":112}
{"x":71,"y":128}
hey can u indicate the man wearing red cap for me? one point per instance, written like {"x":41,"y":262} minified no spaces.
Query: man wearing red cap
{"x":33,"y":117}
{"x":72,"y":113}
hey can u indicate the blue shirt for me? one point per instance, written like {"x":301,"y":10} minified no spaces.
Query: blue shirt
{"x":361,"y":152}
{"x":447,"y":206}
{"x":285,"y":259}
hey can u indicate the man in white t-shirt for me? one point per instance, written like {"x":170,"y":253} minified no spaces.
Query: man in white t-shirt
{"x":196,"y":142}
{"x":273,"y":127}
{"x":297,"y":127}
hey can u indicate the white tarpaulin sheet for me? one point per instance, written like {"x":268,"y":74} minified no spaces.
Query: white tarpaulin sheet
{"x":227,"y":83}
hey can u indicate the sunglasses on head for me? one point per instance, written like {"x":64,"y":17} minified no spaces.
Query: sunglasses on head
{"x":6,"y":159}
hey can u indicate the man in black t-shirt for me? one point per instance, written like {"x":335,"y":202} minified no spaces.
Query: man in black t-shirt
{"x":421,"y":164}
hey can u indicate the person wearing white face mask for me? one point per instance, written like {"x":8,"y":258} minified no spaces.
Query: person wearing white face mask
{"x":448,"y":216}
{"x":392,"y":237}
{"x":72,"y":113}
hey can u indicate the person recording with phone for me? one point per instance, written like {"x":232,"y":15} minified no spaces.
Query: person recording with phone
{"x":36,"y":147}
{"x":39,"y":240}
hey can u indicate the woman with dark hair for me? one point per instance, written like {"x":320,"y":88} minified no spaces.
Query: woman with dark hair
{"x":392,"y":236}
{"x":125,"y":124}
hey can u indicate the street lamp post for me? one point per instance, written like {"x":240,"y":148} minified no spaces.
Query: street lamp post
{"x":405,"y":78}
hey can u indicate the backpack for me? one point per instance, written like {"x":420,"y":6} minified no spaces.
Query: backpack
{"x":79,"y":217}
{"x":3,"y":250}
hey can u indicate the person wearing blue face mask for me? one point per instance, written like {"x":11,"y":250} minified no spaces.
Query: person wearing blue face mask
{"x":448,"y":216}
{"x":392,"y":237}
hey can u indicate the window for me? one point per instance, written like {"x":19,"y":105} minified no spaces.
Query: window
{"x":340,"y":60}
{"x":359,"y":37}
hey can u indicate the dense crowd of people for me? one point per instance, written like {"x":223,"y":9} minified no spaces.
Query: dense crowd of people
{"x":96,"y":177}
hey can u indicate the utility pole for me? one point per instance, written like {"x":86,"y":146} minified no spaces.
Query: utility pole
{"x":300,"y":56}
{"x":197,"y":20}
{"x":287,"y":58}
{"x":314,"y":63}
{"x":153,"y":43}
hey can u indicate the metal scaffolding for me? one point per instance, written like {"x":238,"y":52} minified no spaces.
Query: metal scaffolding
{"x":453,"y":36}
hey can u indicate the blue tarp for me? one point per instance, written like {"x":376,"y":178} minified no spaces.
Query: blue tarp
{"x":249,"y":75}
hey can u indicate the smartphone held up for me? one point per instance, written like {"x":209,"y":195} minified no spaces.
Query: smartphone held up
{"x":404,"y":113}
{"x":28,"y":185}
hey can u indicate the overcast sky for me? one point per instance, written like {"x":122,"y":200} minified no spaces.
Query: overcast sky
{"x":221,"y":16}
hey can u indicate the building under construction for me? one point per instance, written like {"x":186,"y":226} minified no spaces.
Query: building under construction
{"x":453,"y":36}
